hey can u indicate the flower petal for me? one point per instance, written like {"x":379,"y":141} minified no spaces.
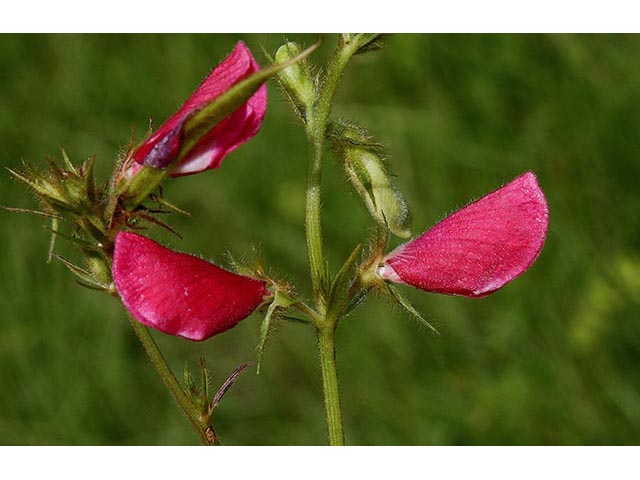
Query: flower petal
{"x":180,"y":294}
{"x":478,"y":249}
{"x":161,"y":148}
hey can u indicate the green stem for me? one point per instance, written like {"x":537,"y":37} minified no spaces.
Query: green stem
{"x":199,"y":422}
{"x":313,"y":224}
{"x":316,"y":126}
{"x":330,"y":384}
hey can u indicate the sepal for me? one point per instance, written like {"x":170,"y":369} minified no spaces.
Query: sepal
{"x":392,"y":294}
{"x":368,"y":42}
{"x":199,"y":395}
{"x":281,"y":301}
{"x":86,"y":278}
{"x":342,"y":283}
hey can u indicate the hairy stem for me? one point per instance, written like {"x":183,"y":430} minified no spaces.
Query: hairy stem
{"x":316,"y":130}
{"x":326,"y":345}
{"x":199,"y":423}
{"x":316,"y":126}
{"x":313,"y":224}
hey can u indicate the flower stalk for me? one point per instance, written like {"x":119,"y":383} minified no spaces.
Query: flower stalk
{"x":200,"y":423}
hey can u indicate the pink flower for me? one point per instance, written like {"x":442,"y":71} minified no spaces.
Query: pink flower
{"x":162,"y":147}
{"x":478,"y":249}
{"x":180,"y":294}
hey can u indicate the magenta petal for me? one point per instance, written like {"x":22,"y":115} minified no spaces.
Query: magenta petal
{"x":233,"y":131}
{"x":160,"y":149}
{"x":180,"y":294}
{"x":478,"y":249}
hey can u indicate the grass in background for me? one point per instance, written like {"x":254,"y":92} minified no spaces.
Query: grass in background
{"x":550,"y":359}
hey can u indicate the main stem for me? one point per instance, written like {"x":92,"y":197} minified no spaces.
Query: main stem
{"x":316,"y":127}
{"x":312,"y":221}
{"x":199,"y":424}
{"x":330,"y":384}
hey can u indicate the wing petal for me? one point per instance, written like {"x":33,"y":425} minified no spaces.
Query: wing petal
{"x":478,"y":249}
{"x":180,"y":294}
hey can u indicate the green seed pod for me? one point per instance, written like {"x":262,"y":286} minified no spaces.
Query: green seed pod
{"x":365,"y":165}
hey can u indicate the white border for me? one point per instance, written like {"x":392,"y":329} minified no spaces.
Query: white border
{"x":310,"y":463}
{"x":323,"y":16}
{"x":320,"y":16}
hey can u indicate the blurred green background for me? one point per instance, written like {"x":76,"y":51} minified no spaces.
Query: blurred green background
{"x":550,"y":359}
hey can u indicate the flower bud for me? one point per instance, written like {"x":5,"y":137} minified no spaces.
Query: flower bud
{"x":65,"y":190}
{"x":365,"y":165}
{"x":478,"y":249}
{"x":296,"y":79}
{"x":180,"y":294}
{"x":225,"y":111}
{"x":211,"y":141}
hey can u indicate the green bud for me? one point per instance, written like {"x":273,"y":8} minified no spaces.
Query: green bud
{"x":75,"y":191}
{"x":69,"y":190}
{"x":368,"y":174}
{"x":365,"y":165}
{"x":296,"y":80}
